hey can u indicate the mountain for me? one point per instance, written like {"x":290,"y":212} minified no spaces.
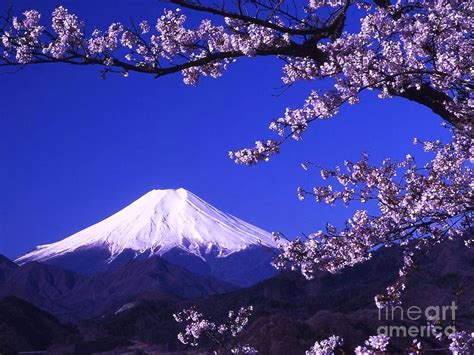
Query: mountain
{"x":25,"y":327}
{"x":290,"y":313}
{"x":174,"y":224}
{"x":152,"y":275}
{"x":70,"y":296}
{"x":43,"y":285}
{"x":6,"y":267}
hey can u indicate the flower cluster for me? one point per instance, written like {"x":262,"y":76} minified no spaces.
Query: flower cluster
{"x":326,"y":346}
{"x":394,"y":291}
{"x":69,"y":36}
{"x":409,"y":49}
{"x":140,"y":49}
{"x":373,"y":345}
{"x":196,"y":326}
{"x":244,"y":350}
{"x":223,"y":335}
{"x":419,"y":206}
{"x":461,"y":343}
{"x":23,"y":37}
{"x":416,"y":49}
{"x":261,"y":151}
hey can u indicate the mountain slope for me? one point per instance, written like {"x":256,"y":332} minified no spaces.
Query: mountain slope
{"x":175,"y":224}
{"x":290,"y":313}
{"x":151,"y":275}
{"x":25,"y":327}
{"x":44,"y":286}
{"x":6,"y":267}
{"x":71,"y":297}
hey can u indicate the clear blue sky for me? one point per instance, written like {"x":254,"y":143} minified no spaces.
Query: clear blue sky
{"x":75,"y":149}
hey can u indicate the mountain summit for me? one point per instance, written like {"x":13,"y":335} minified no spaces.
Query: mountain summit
{"x":174,"y":224}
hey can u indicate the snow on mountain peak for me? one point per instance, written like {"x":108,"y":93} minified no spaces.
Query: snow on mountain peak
{"x":157,"y":222}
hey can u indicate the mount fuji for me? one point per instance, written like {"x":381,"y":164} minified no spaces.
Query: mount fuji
{"x":175,"y":225}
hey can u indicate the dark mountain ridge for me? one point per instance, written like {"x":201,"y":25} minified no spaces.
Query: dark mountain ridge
{"x":71,"y":296}
{"x":291,"y":313}
{"x":25,"y":327}
{"x":6,"y":267}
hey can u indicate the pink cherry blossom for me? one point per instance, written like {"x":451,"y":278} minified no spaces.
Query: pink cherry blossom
{"x":224,"y":335}
{"x":419,"y":206}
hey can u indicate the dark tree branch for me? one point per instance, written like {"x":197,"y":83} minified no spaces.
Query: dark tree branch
{"x":435,"y":100}
{"x":292,"y":50}
{"x":309,"y":30}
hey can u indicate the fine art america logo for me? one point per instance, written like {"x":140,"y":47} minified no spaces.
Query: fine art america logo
{"x":415,"y":321}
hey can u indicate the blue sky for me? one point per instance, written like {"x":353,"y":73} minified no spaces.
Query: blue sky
{"x":74,"y":149}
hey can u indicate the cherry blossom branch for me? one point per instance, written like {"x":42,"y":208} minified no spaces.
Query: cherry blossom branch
{"x":310,"y":30}
{"x":424,"y":207}
{"x":461,"y":342}
{"x":223,"y":335}
{"x":419,"y":50}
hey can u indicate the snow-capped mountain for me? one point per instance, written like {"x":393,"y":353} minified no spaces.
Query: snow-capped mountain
{"x":174,"y":224}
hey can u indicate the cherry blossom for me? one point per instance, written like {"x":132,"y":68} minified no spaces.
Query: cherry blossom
{"x":419,"y":206}
{"x":223,"y":335}
{"x":461,"y":343}
{"x":420,"y":50}
{"x":373,"y":345}
{"x":326,"y":346}
{"x":244,"y":350}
